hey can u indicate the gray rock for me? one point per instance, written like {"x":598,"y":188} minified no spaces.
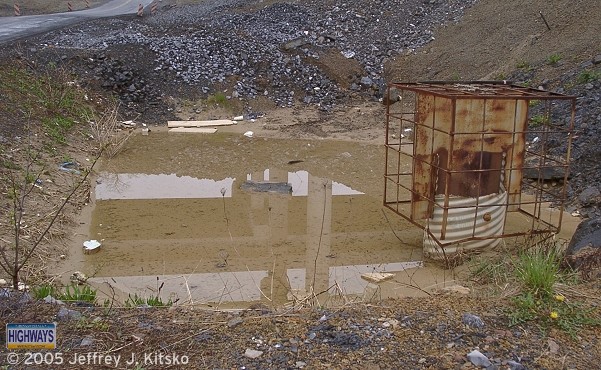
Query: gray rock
{"x":293,"y":44}
{"x":252,"y":353}
{"x":515,"y":365}
{"x":4,"y":293}
{"x":478,"y":359}
{"x":590,"y":195}
{"x":50,"y":299}
{"x":585,"y":245}
{"x":546,"y":173}
{"x":65,"y":314}
{"x":234,"y":322}
{"x":597,"y":59}
{"x":87,"y":341}
{"x":472,"y":321}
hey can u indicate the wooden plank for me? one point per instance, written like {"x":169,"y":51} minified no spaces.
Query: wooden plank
{"x":377,"y":277}
{"x":217,"y":122}
{"x":194,"y":130}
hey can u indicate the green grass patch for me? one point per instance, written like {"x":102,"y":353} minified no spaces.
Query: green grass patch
{"x":537,"y":271}
{"x":52,"y":94}
{"x":43,"y":291}
{"x":538,"y":120}
{"x":218,"y":99}
{"x":588,"y":76}
{"x":554,"y":59}
{"x":524,"y":66}
{"x":152,"y":301}
{"x":78,"y":293}
{"x":552,"y":311}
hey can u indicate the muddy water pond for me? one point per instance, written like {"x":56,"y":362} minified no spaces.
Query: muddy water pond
{"x":228,"y":221}
{"x":225,"y":221}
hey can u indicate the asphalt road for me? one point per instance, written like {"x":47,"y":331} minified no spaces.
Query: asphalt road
{"x":12,"y":28}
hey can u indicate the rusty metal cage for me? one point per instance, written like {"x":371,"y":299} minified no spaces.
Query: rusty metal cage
{"x":457,"y":155}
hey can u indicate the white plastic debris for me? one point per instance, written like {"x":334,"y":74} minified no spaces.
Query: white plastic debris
{"x":252,"y":353}
{"x":535,"y":140}
{"x":249,"y":134}
{"x":238,"y":118}
{"x":348,"y":54}
{"x":91,"y":246}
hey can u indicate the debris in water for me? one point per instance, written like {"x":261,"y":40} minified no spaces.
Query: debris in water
{"x":91,"y":246}
{"x":377,"y":277}
{"x":267,"y":187}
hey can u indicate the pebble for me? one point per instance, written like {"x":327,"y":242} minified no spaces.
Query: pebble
{"x":234,"y":322}
{"x":67,"y":314}
{"x":478,"y":359}
{"x":472,"y":321}
{"x":252,"y":353}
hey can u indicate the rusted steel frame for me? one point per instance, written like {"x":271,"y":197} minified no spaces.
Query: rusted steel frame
{"x":542,"y":190}
{"x":423,"y":227}
{"x":387,"y":147}
{"x":568,"y":154}
{"x":464,"y":240}
{"x":479,"y":172}
{"x":552,"y":227}
{"x":508,"y":91}
{"x":492,"y":237}
{"x":445,"y":211}
{"x":538,"y":194}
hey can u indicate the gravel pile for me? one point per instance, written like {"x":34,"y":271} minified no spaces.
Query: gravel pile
{"x":584,"y":82}
{"x":274,"y":51}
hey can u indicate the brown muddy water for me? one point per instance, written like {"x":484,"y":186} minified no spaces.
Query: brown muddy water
{"x":174,"y":220}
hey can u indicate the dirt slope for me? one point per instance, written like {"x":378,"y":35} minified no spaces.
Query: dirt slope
{"x":494,"y":38}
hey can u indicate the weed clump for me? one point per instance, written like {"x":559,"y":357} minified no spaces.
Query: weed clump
{"x":538,"y":271}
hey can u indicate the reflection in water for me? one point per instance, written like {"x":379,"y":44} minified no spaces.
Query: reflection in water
{"x":163,"y":186}
{"x":252,"y":246}
{"x":144,"y":186}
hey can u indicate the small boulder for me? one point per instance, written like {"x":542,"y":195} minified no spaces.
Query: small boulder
{"x":590,"y":196}
{"x":584,"y":250}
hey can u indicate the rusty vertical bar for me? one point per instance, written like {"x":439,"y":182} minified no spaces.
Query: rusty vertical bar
{"x":413,"y":149}
{"x":480,"y":167}
{"x":567,"y":163}
{"x":445,"y":211}
{"x":386,"y":146}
